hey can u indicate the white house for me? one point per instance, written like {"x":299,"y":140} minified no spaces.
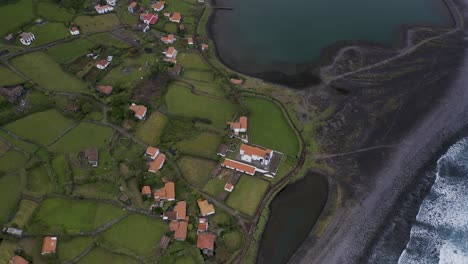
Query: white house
{"x":74,"y":31}
{"x":102,"y":64}
{"x":170,"y":53}
{"x":26,"y":38}
{"x":251,"y":153}
{"x":103,"y":9}
{"x":240,"y":126}
{"x":158,"y":6}
{"x":111,"y":2}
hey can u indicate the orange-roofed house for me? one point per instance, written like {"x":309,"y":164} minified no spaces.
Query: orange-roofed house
{"x":204,"y":47}
{"x":171,"y":53}
{"x":74,"y":31}
{"x":103,"y":9}
{"x":239,"y":166}
{"x":138,"y":110}
{"x":158,"y":6}
{"x":181,"y":209}
{"x":190,"y":41}
{"x":146,"y":191}
{"x":228,"y":187}
{"x":180,"y":233}
{"x":169,"y":39}
{"x":18,"y":260}
{"x":240,"y":126}
{"x":157,"y":163}
{"x":251,"y":153}
{"x":49,"y":245}
{"x":236,"y":81}
{"x":102,"y":64}
{"x":152,"y":152}
{"x":165,"y":193}
{"x":205,"y":207}
{"x":206,"y":241}
{"x":105,"y":89}
{"x":202,"y":225}
{"x":175,"y":17}
{"x":132,"y":7}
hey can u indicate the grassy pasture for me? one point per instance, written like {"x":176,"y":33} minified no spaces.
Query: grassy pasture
{"x":53,"y":12}
{"x":193,"y":74}
{"x":83,"y":136}
{"x":192,"y":60}
{"x":215,"y":87}
{"x":131,"y":71}
{"x":24,"y":213}
{"x":108,"y":39}
{"x":152,"y":128}
{"x":10,"y":189}
{"x":8,"y":77}
{"x":97,"y":23}
{"x":12,"y":160}
{"x":247,"y":194}
{"x":47,"y":126}
{"x":39,"y":182}
{"x":141,"y":233}
{"x":181,"y":101}
{"x":214,"y":186}
{"x":7,"y":248}
{"x":14,"y":14}
{"x":100,"y":255}
{"x":48,"y":32}
{"x":70,"y":248}
{"x":68,"y":52}
{"x":45,"y":72}
{"x":103,"y":190}
{"x":204,"y":145}
{"x":57,"y":215}
{"x":269,"y":128}
{"x":196,"y":171}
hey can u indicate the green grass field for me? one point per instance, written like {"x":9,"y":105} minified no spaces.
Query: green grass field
{"x":62,"y":171}
{"x":182,"y":102}
{"x":194,"y":74}
{"x":131,"y":71}
{"x":47,"y":126}
{"x":8,"y":77}
{"x":53,"y":12}
{"x":6,"y":249}
{"x":204,"y":145}
{"x":108,"y":39}
{"x":196,"y":171}
{"x":233,"y":240}
{"x":269,"y":128}
{"x":25,"y":210}
{"x":57,"y":215}
{"x":45,"y":72}
{"x":141,"y":233}
{"x":247,"y":194}
{"x":103,"y":190}
{"x":192,"y":60}
{"x":214,"y":186}
{"x":152,"y":128}
{"x":215,"y":87}
{"x":68,"y":52}
{"x":12,"y":161}
{"x":10,"y":189}
{"x":70,"y":248}
{"x":100,"y":255}
{"x":14,"y":14}
{"x":83,"y":136}
{"x":97,"y":23}
{"x":39,"y":181}
{"x":48,"y":32}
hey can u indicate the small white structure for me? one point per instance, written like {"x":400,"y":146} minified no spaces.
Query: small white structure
{"x":26,"y":38}
{"x":251,"y":153}
{"x":111,"y":2}
{"x":103,"y":9}
{"x":170,"y":53}
{"x":74,"y":31}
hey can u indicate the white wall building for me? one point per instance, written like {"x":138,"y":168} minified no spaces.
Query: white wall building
{"x":26,"y":38}
{"x":251,"y":153}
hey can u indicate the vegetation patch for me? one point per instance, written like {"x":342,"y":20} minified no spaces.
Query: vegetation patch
{"x":69,"y":248}
{"x":151,"y":130}
{"x":12,"y":160}
{"x":192,"y":60}
{"x":14,"y":15}
{"x":214,"y":186}
{"x":204,"y":145}
{"x":45,"y":71}
{"x":100,"y":255}
{"x":48,"y":32}
{"x":68,"y":52}
{"x":8,"y":77}
{"x":41,"y":127}
{"x":108,"y":39}
{"x":60,"y":216}
{"x":141,"y":233}
{"x":102,"y":190}
{"x":83,"y":136}
{"x":39,"y":181}
{"x":97,"y":23}
{"x":196,"y":171}
{"x":247,"y":194}
{"x":24,"y":213}
{"x":53,"y":12}
{"x":269,"y":128}
{"x":10,"y":189}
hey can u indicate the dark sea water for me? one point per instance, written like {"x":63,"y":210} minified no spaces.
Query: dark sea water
{"x":440,"y":234}
{"x":269,"y":35}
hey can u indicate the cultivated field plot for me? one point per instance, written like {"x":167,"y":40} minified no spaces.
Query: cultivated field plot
{"x":25,"y":210}
{"x":97,"y":23}
{"x":100,"y":255}
{"x":151,"y":130}
{"x":53,"y":12}
{"x":47,"y":126}
{"x":204,"y":145}
{"x":10,"y":189}
{"x":83,"y":136}
{"x":181,"y":101}
{"x":14,"y":14}
{"x":56,"y":215}
{"x":192,"y":60}
{"x":196,"y":171}
{"x":108,"y":39}
{"x":269,"y":128}
{"x":141,"y":234}
{"x":48,"y":32}
{"x":247,"y":194}
{"x":45,"y":71}
{"x":68,"y":52}
{"x":8,"y":77}
{"x":69,"y":248}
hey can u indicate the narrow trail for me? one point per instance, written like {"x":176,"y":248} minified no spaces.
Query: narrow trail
{"x":328,"y":156}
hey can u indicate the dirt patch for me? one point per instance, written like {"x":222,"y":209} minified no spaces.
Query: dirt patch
{"x":149,"y":91}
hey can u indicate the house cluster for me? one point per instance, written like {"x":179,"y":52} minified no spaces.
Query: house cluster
{"x":157,"y":159}
{"x":149,"y":18}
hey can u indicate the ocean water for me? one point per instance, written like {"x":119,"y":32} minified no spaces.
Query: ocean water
{"x":440,"y":234}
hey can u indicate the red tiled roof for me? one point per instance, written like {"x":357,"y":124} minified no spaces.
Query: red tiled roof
{"x":139,"y":110}
{"x":181,"y":209}
{"x":103,"y":63}
{"x":190,"y":41}
{"x":204,"y":46}
{"x":181,"y":231}
{"x":152,"y":151}
{"x":239,"y":166}
{"x":158,"y":5}
{"x":146,"y":190}
{"x":251,"y":151}
{"x":156,"y":164}
{"x":228,"y":187}
{"x":205,"y":207}
{"x":49,"y":245}
{"x":169,"y":39}
{"x":18,"y":260}
{"x":206,"y":241}
{"x":170,"y":51}
{"x":243,"y":122}
{"x":132,"y":5}
{"x":166,"y":193}
{"x":105,"y":89}
{"x":202,"y":227}
{"x":175,"y":16}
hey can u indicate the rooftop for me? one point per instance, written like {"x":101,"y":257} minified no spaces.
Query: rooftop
{"x":250,"y":150}
{"x":49,"y":245}
{"x":206,"y":241}
{"x":239,"y":166}
{"x":205,"y":207}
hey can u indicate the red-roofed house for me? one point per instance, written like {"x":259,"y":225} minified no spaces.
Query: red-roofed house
{"x":132,"y":7}
{"x":204,"y":47}
{"x":251,"y":153}
{"x":103,"y":9}
{"x":239,"y":166}
{"x":181,"y":209}
{"x":146,"y":191}
{"x":165,"y":193}
{"x":202,"y":225}
{"x":18,"y":260}
{"x":49,"y":245}
{"x":102,"y":64}
{"x":157,"y":163}
{"x":206,"y":241}
{"x":240,"y":126}
{"x":171,"y":52}
{"x":74,"y":31}
{"x":158,"y":6}
{"x":236,"y":81}
{"x":105,"y":89}
{"x":169,"y":39}
{"x":152,"y":152}
{"x":149,"y":19}
{"x":228,"y":187}
{"x":139,"y":110}
{"x":175,"y":17}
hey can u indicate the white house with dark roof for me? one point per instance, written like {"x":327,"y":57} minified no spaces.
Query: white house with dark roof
{"x":26,"y":38}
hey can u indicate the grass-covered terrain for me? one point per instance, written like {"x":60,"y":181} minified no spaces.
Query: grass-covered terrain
{"x":11,"y":161}
{"x":83,"y":136}
{"x":51,"y":11}
{"x":192,"y":60}
{"x":100,"y":255}
{"x":204,"y":145}
{"x":8,"y":77}
{"x":264,"y":115}
{"x":25,"y":210}
{"x":69,"y":248}
{"x":196,"y":170}
{"x":10,"y":188}
{"x":48,"y":32}
{"x":41,"y":127}
{"x":68,"y":52}
{"x":108,"y":39}
{"x":97,"y":23}
{"x":45,"y":72}
{"x":247,"y":194}
{"x":151,"y":130}
{"x":14,"y":14}
{"x":131,"y":71}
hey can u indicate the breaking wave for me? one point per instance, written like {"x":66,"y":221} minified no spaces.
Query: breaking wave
{"x":440,"y":233}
